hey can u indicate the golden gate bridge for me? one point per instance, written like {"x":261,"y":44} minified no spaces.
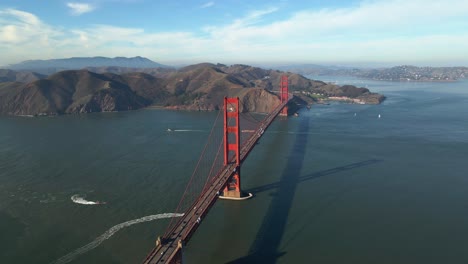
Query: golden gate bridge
{"x":217,"y":173}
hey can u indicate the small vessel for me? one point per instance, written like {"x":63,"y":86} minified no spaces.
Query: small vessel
{"x":169,"y":130}
{"x":379,"y":115}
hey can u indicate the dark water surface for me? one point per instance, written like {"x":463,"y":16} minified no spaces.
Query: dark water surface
{"x":335,"y":185}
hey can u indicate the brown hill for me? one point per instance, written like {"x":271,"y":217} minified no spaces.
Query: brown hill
{"x":157,"y":72}
{"x":203,"y":87}
{"x":19,"y":76}
{"x":196,"y":87}
{"x":246,"y":72}
{"x":68,"y":92}
{"x":145,"y":85}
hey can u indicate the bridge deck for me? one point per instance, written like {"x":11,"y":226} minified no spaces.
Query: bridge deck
{"x":169,"y":247}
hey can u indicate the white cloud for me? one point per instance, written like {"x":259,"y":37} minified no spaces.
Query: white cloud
{"x":392,"y":30}
{"x":370,"y":18}
{"x":24,"y":36}
{"x":21,"y":28}
{"x":80,"y":8}
{"x":308,"y":34}
{"x":207,"y":4}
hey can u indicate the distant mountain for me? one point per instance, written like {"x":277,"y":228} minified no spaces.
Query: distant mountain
{"x":157,"y":72}
{"x":196,"y":87}
{"x":56,"y":65}
{"x":19,"y":76}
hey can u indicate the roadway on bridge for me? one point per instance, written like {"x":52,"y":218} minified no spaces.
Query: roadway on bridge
{"x":170,"y":247}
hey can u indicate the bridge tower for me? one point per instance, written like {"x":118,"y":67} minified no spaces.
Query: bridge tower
{"x":232,"y":190}
{"x":284,"y":94}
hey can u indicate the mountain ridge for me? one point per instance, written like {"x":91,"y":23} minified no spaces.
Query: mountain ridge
{"x":74,"y":63}
{"x":196,"y":87}
{"x":7,"y":75}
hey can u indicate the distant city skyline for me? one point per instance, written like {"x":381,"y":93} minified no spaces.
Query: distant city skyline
{"x":337,"y":32}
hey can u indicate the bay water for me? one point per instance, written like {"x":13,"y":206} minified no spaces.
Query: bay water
{"x":337,"y":184}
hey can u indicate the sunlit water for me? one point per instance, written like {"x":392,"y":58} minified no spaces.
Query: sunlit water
{"x":335,"y":185}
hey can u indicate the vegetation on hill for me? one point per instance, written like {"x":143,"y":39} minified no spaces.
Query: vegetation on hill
{"x":196,"y":87}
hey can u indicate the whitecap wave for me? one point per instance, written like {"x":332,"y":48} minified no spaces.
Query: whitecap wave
{"x":96,"y":242}
{"x":80,"y":200}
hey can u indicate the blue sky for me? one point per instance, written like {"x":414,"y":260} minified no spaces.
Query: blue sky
{"x":368,"y":32}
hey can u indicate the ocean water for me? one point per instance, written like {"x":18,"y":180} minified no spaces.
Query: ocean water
{"x":337,"y":184}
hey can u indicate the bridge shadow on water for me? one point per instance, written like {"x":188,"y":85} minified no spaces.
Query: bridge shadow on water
{"x":266,"y":245}
{"x":316,"y":175}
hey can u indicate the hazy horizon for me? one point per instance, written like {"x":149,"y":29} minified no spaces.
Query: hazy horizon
{"x":279,"y":64}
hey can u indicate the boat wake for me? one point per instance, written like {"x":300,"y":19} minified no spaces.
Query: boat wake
{"x":72,"y":255}
{"x":80,"y":200}
{"x":187,"y":130}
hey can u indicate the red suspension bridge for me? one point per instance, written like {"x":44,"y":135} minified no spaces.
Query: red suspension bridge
{"x":215,"y":177}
